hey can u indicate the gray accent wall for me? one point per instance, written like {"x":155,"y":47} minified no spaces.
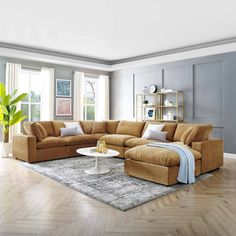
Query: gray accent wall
{"x":208,"y":83}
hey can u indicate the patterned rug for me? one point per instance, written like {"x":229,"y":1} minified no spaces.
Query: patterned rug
{"x":114,"y":188}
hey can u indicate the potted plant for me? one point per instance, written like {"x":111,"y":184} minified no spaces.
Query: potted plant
{"x":9,"y":115}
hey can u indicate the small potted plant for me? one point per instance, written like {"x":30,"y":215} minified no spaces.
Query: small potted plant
{"x":9,"y":115}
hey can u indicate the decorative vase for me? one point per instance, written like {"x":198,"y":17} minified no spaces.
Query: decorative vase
{"x":6,"y":148}
{"x":145,"y":89}
{"x":167,"y":102}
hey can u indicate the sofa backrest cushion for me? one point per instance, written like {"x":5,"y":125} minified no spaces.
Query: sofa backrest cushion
{"x":99,"y":127}
{"x":31,"y":128}
{"x":87,"y":126}
{"x":185,"y":134}
{"x":168,"y":127}
{"x":134,"y":128}
{"x":27,"y":127}
{"x":42,"y":130}
{"x":112,"y":126}
{"x":199,"y":134}
{"x":57,"y":125}
{"x":48,"y":127}
{"x":181,"y":128}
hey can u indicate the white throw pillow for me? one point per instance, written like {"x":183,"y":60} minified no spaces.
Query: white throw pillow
{"x":73,"y":124}
{"x":68,"y":131}
{"x":157,"y":127}
{"x":157,"y":135}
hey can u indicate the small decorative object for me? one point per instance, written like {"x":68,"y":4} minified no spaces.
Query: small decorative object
{"x":145,"y":102}
{"x":92,"y":150}
{"x":63,"y":87}
{"x":63,"y":106}
{"x":153,"y":88}
{"x":167,"y":102}
{"x":9,"y":115}
{"x":150,"y":113}
{"x":166,"y":90}
{"x":101,"y":146}
{"x":170,"y":115}
{"x":145,"y":89}
{"x":165,"y":117}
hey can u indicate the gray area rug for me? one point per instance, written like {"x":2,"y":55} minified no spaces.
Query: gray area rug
{"x":114,"y":188}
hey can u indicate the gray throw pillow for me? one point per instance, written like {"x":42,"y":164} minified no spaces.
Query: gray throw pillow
{"x":69,"y":131}
{"x":156,"y":135}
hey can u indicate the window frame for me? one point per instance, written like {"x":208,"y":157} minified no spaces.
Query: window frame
{"x":85,"y":104}
{"x":29,"y":102}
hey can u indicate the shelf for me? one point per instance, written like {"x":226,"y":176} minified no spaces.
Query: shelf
{"x":175,"y":106}
{"x":170,"y":120}
{"x":156,"y":106}
{"x":158,"y":93}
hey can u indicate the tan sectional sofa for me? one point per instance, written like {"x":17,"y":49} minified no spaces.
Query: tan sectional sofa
{"x":42,"y":141}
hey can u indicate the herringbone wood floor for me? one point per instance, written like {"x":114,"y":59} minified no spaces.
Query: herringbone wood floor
{"x":31,"y":204}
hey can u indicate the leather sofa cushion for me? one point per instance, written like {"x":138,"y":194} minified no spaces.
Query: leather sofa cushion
{"x":181,"y":128}
{"x":32,"y":128}
{"x":134,"y":128}
{"x":158,"y":156}
{"x":168,"y":127}
{"x":87,"y":126}
{"x":27,"y":127}
{"x":99,"y":127}
{"x":185,"y":134}
{"x":48,"y":127}
{"x":98,"y":135}
{"x":136,"y":142}
{"x":42,"y":131}
{"x":80,"y":139}
{"x":51,"y":142}
{"x":116,"y":139}
{"x":199,"y":133}
{"x":57,"y":125}
{"x":112,"y":126}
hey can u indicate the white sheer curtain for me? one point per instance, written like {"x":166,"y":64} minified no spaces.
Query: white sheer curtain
{"x":47,"y":102}
{"x":12,"y":81}
{"x":78,"y":95}
{"x":102,"y":98}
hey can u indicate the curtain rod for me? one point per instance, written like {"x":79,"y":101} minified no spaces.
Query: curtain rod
{"x":92,"y":75}
{"x":31,"y":67}
{"x":89,"y":74}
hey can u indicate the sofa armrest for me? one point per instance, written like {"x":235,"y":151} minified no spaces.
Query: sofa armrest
{"x":212,"y":153}
{"x":24,"y":148}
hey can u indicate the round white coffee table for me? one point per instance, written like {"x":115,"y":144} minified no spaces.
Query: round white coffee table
{"x":97,"y":169}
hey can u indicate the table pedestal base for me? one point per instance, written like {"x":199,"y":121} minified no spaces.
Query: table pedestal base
{"x":97,"y":169}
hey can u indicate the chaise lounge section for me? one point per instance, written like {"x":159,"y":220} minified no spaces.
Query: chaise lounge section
{"x":42,"y":141}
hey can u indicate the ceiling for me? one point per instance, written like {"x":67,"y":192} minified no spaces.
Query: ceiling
{"x":115,"y":29}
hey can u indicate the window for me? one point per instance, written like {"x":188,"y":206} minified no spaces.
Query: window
{"x":89,"y":103}
{"x":30,"y":82}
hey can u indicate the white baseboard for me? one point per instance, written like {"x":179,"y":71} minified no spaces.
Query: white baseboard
{"x":230,"y":155}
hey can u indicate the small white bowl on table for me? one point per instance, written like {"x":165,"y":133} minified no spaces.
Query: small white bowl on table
{"x":97,"y":169}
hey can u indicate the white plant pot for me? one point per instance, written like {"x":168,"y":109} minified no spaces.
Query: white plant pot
{"x":6,"y":148}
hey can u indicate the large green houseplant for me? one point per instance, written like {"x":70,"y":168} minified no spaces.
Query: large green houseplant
{"x":9,"y":115}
